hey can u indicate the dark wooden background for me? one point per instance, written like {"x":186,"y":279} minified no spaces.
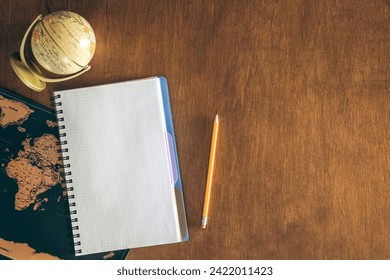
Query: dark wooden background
{"x":302,"y":89}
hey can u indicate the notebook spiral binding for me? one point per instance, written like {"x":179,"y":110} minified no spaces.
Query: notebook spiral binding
{"x":67,"y":173}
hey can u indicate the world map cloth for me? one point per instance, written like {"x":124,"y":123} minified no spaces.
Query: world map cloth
{"x":34,"y":219}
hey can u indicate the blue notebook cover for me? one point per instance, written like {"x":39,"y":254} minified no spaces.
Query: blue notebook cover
{"x":34,"y":213}
{"x":174,"y":158}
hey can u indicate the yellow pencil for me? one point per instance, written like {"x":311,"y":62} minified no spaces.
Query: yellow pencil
{"x":210,"y":172}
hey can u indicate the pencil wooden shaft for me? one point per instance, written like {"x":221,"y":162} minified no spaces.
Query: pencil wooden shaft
{"x":210,"y":172}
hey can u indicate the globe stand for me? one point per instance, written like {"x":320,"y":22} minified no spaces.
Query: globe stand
{"x":25,"y":74}
{"x":29,"y":73}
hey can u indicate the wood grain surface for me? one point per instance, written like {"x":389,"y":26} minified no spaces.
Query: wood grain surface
{"x":302,"y":89}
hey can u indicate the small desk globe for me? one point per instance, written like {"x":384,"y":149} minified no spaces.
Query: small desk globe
{"x":62,"y":43}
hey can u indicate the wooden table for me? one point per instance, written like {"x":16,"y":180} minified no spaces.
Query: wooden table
{"x":302,"y":91}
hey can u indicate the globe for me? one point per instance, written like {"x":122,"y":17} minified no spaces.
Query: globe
{"x":63,"y":42}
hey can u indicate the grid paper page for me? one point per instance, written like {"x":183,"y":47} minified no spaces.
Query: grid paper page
{"x":116,"y":137}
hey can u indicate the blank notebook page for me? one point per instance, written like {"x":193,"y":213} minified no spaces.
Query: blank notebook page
{"x":116,"y":137}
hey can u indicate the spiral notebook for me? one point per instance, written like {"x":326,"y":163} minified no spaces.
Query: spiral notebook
{"x":121,"y":167}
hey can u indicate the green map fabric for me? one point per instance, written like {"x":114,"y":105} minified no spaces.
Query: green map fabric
{"x":34,"y":215}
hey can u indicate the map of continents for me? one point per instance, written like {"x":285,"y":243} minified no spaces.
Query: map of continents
{"x":35,"y":169}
